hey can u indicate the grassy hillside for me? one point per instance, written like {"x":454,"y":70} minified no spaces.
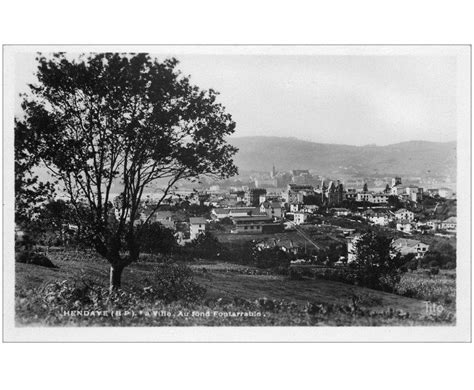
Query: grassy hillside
{"x":229,"y":288}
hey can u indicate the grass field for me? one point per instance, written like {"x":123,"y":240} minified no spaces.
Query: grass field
{"x":227,"y":285}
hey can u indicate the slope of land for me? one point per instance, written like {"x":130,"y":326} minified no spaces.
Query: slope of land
{"x":413,"y":158}
{"x":225,"y":281}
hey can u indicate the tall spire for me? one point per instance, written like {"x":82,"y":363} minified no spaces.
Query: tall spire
{"x":273,"y":171}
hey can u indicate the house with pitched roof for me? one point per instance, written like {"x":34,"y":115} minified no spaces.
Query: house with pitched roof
{"x":254,"y":224}
{"x":197,"y":226}
{"x":405,"y":246}
{"x":404,"y":214}
{"x":272,"y":209}
{"x":404,"y":226}
{"x":449,"y":224}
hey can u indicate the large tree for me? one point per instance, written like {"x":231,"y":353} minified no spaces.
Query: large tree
{"x":377,"y":263}
{"x":110,"y":118}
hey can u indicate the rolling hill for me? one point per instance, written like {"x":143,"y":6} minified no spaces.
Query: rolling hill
{"x":414,"y":158}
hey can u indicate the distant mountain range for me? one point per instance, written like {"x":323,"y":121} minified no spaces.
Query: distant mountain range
{"x":412,"y":158}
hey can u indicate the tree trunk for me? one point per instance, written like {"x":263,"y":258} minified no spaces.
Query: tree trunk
{"x":115,"y":277}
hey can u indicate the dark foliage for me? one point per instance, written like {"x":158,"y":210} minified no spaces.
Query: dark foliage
{"x":35,"y":258}
{"x":113,"y":117}
{"x":377,"y":265}
{"x":155,"y":238}
{"x":270,"y":258}
{"x":443,"y":256}
{"x":205,"y":246}
{"x":174,"y":282}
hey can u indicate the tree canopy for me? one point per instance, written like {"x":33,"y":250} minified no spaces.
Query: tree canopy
{"x":117,"y":118}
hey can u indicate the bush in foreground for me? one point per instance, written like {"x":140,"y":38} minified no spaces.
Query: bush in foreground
{"x":66,"y":303}
{"x":174,"y":282}
{"x":29,"y":257}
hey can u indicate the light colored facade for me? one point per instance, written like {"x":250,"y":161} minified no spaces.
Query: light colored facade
{"x":251,"y":224}
{"x":434,"y":224}
{"x":404,"y":214}
{"x":405,"y":246}
{"x":340,"y":212}
{"x":197,"y":226}
{"x":295,"y":207}
{"x":310,"y":208}
{"x":300,"y":217}
{"x":415,"y":194}
{"x":404,"y":226}
{"x":381,"y":219}
{"x":397,"y":190}
{"x":351,"y":246}
{"x":364,"y":197}
{"x":229,"y":212}
{"x":380,"y":198}
{"x":449,"y":224}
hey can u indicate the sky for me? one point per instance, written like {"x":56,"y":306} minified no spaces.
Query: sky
{"x":342,"y":99}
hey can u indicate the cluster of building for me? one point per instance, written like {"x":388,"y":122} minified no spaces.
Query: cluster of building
{"x":265,"y":208}
{"x":404,"y":246}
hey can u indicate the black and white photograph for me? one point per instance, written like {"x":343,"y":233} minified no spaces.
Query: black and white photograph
{"x":210,"y":193}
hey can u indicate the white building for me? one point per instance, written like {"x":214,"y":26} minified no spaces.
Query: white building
{"x":415,"y":194}
{"x":295,"y":207}
{"x":364,"y":197}
{"x":351,"y":246}
{"x":406,"y":246}
{"x":197,"y":226}
{"x":380,"y":198}
{"x":229,"y":212}
{"x":404,"y":226}
{"x":434,"y":224}
{"x":449,"y":224}
{"x":381,"y":219}
{"x":300,"y":217}
{"x":404,"y":214}
{"x":340,"y":212}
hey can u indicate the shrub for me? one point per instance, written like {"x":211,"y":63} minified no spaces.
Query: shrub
{"x":173,"y":282}
{"x":450,"y":265}
{"x":434,"y":270}
{"x":440,"y":256}
{"x":270,"y":258}
{"x":205,"y":246}
{"x":413,"y":265}
{"x":295,"y":274}
{"x":35,"y":258}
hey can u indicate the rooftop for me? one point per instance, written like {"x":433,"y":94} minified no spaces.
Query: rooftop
{"x":255,"y":218}
{"x":267,"y":204}
{"x":406,"y":242}
{"x":197,"y":220}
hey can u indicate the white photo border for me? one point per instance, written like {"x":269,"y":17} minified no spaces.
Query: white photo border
{"x":461,"y":332}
